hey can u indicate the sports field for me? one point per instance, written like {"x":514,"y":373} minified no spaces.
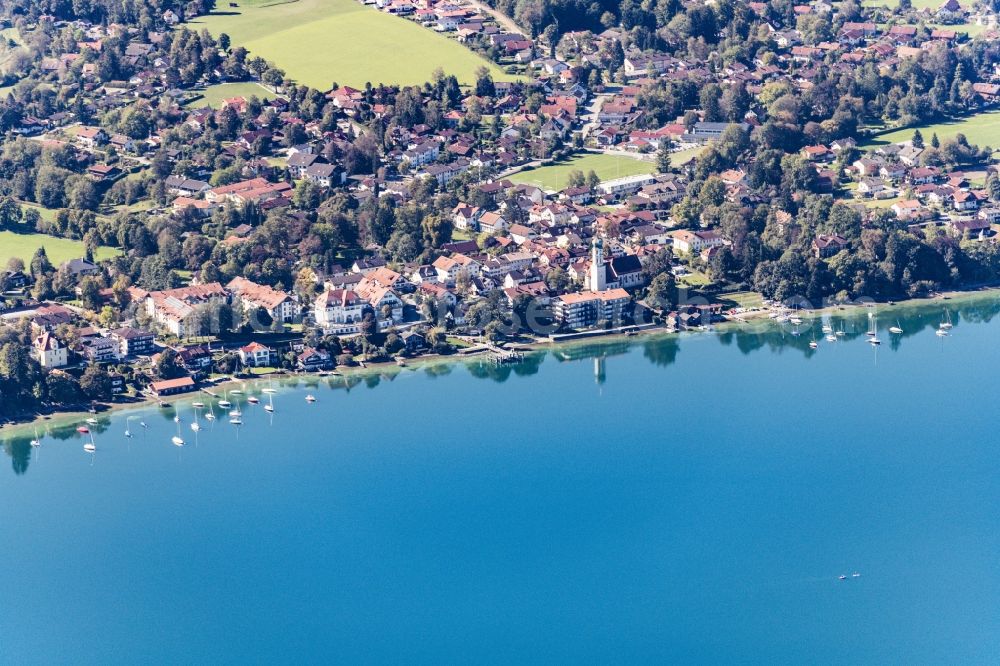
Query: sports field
{"x":213,"y":95}
{"x":607,"y":167}
{"x":319,"y":42}
{"x":982,"y":129}
{"x":58,"y":249}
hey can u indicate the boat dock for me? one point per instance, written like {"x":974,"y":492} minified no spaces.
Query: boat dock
{"x":500,"y":356}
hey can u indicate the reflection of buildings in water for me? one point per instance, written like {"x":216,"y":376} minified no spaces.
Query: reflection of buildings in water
{"x":599,"y":375}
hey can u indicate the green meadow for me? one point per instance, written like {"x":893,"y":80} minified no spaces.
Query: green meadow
{"x":319,"y":42}
{"x":59,"y":249}
{"x":982,"y":129}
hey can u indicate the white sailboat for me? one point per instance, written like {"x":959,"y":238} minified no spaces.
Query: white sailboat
{"x":873,"y":332}
{"x":310,"y":398}
{"x":224,"y":403}
{"x":176,"y":439}
{"x":897,"y":329}
{"x":90,"y":446}
{"x":269,"y":407}
{"x":36,"y":441}
{"x":946,"y":324}
{"x":195,"y":426}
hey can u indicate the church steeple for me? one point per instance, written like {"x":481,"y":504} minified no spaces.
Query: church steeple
{"x":598,"y":271}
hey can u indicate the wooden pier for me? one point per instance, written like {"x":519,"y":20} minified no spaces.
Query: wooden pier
{"x":500,"y":356}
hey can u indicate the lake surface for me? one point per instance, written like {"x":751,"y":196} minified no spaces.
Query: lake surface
{"x":688,"y":499}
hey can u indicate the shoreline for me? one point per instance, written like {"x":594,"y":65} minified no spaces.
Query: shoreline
{"x":66,"y":419}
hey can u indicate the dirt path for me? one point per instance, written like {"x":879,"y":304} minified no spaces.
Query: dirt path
{"x":506,"y":22}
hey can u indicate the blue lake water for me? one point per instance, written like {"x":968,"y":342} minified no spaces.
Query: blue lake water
{"x":687,"y":499}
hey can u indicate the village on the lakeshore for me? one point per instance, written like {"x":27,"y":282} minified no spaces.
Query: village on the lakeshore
{"x":215,"y":219}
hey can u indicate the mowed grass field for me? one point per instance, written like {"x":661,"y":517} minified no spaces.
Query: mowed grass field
{"x":607,"y":167}
{"x":213,"y":95}
{"x":319,"y":42}
{"x":59,"y":249}
{"x":982,"y":129}
{"x":892,"y":4}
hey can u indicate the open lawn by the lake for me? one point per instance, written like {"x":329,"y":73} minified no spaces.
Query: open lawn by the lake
{"x":742,"y":299}
{"x":982,"y":129}
{"x":319,"y":42}
{"x":58,"y":249}
{"x":214,"y":95}
{"x":607,"y":167}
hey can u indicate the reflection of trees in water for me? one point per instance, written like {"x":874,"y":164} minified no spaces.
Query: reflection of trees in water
{"x":19,"y":451}
{"x":662,"y":351}
{"x":978,"y":312}
{"x":435,"y":370}
{"x":530,"y":365}
{"x":581,"y":352}
{"x":483,"y":369}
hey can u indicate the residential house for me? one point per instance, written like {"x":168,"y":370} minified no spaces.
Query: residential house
{"x":133,"y":342}
{"x":91,"y":137}
{"x":49,"y":351}
{"x":449,"y":268}
{"x":186,"y":187}
{"x":828,"y":245}
{"x":99,"y":350}
{"x":298,"y":162}
{"x":279,"y":305}
{"x":465,"y":216}
{"x":339,"y":311}
{"x":965,"y":200}
{"x":688,"y":242}
{"x":313,"y":360}
{"x":173,"y":308}
{"x":413,"y":341}
{"x":322,"y":174}
{"x":492,"y":223}
{"x":256,"y":355}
